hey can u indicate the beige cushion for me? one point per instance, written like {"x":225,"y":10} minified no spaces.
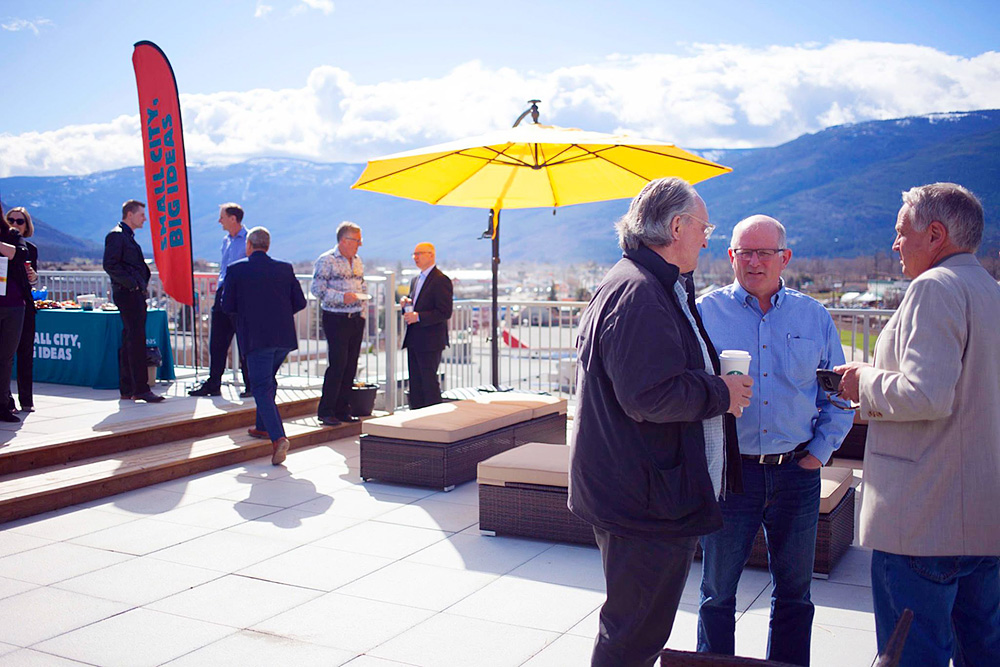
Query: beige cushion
{"x":533,"y":463}
{"x":834,"y":483}
{"x":540,"y":405}
{"x":446,"y":422}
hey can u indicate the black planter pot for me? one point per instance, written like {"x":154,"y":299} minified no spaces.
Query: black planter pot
{"x":362,"y":400}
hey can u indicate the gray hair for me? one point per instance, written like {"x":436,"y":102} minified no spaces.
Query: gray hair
{"x":758,"y":220}
{"x":953,"y":206}
{"x":259,"y":238}
{"x":647,"y":221}
{"x":345,"y":227}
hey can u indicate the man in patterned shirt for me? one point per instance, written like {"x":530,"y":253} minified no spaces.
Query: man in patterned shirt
{"x":339,"y":283}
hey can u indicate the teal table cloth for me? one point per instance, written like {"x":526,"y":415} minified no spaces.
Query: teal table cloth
{"x":81,"y":347}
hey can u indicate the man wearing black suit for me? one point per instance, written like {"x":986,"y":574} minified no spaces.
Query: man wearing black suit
{"x":129,"y":274}
{"x":426,"y":313}
{"x":263,"y":295}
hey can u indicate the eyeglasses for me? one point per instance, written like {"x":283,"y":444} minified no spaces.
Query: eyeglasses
{"x":422,"y":252}
{"x":351,"y":238}
{"x":763,"y":254}
{"x":17,"y":221}
{"x":707,"y":226}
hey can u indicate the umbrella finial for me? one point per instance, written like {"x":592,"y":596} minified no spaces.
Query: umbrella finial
{"x":533,"y":110}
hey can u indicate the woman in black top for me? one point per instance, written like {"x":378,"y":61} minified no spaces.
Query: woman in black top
{"x":19,"y":219}
{"x":17,"y":294}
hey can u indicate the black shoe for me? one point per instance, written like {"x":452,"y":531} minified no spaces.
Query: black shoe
{"x":149,"y":397}
{"x":246,"y":393}
{"x":27,"y":408}
{"x":125,"y":397}
{"x":329,"y":421}
{"x":6,"y":416}
{"x":206,"y":389}
{"x":348,"y":419}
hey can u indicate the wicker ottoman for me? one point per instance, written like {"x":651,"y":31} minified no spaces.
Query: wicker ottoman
{"x":522,"y":492}
{"x":439,"y":446}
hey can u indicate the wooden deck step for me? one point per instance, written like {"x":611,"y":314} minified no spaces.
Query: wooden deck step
{"x":26,"y":493}
{"x":145,"y":431}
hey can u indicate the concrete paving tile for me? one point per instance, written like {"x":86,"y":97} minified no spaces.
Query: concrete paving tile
{"x":27,"y":657}
{"x":372,"y":661}
{"x":463,"y":494}
{"x":137,"y":638}
{"x":143,"y":502}
{"x":382,"y":539}
{"x":854,"y":568}
{"x":417,"y":585}
{"x":566,"y":650}
{"x":138,"y":581}
{"x":344,"y":622}
{"x":316,"y":567}
{"x":294,"y":525}
{"x":456,"y":641}
{"x":57,"y":561}
{"x":208,"y":485}
{"x":65,"y":525}
{"x":45,"y":612}
{"x":215,"y":513}
{"x":12,"y":542}
{"x":428,"y":513}
{"x":566,"y":565}
{"x":234,"y":600}
{"x":553,"y":607}
{"x":253,"y":649}
{"x":140,"y":537}
{"x":277,"y":493}
{"x":9,"y":587}
{"x":223,"y":551}
{"x":836,"y":604}
{"x":834,"y":646}
{"x":479,"y":553}
{"x":357,"y":502}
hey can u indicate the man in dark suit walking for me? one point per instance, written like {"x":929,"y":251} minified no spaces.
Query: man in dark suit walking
{"x":263,"y":295}
{"x":123,"y":261}
{"x":426,"y":313}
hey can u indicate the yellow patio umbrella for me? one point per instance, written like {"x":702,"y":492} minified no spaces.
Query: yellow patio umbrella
{"x":530,"y":166}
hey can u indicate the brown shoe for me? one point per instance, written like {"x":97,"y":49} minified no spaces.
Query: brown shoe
{"x":280,"y":450}
{"x":254,"y":433}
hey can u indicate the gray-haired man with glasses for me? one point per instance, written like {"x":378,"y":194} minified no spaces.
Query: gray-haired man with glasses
{"x":789,"y":430}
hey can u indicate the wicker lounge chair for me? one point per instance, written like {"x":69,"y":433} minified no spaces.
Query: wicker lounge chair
{"x":439,"y":446}
{"x":523,"y":492}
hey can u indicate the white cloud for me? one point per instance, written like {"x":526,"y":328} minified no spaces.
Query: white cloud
{"x":715,"y":95}
{"x":16,"y":25}
{"x":325,"y":6}
{"x":262,"y":10}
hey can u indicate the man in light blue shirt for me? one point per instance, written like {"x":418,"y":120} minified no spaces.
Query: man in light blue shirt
{"x":789,"y":430}
{"x":234,"y":247}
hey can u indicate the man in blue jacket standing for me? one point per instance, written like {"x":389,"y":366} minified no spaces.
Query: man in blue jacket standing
{"x":653,"y":447}
{"x":264,"y":295}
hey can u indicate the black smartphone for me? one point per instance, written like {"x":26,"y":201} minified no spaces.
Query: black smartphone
{"x":828,"y":380}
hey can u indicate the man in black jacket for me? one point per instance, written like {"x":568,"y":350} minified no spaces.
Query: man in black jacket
{"x":123,"y":261}
{"x":426,"y":313}
{"x":653,"y":447}
{"x":263,"y":295}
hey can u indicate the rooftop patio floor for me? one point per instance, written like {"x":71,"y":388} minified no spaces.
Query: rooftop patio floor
{"x":304,"y":564}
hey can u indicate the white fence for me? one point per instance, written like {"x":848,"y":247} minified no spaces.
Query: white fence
{"x":537,"y":346}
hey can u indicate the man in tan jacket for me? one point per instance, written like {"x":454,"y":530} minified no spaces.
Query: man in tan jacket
{"x":931,"y":494}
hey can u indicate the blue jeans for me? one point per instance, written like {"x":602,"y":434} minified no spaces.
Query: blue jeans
{"x":955,"y":602}
{"x":785,"y":499}
{"x":262,"y":366}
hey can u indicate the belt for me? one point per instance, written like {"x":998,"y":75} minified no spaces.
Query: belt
{"x":344,"y":315}
{"x":776,"y":459}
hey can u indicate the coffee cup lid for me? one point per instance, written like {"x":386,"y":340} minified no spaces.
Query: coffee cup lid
{"x":735,"y":354}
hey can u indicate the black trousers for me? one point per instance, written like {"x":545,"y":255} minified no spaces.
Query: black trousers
{"x":132,"y":378}
{"x":11,"y":318}
{"x":219,"y":339}
{"x":26,"y":359}
{"x":425,"y":389}
{"x":645,"y":577}
{"x":343,"y":340}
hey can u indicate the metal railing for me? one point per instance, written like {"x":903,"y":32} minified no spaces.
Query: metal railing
{"x":537,"y":345}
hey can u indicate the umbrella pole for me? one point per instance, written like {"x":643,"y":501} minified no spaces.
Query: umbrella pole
{"x":495,"y":347}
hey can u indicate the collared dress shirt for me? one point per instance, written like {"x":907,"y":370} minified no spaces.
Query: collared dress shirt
{"x":334,"y":275}
{"x":715,"y":450}
{"x":420,"y":283}
{"x":233,"y":248}
{"x":787,"y":345}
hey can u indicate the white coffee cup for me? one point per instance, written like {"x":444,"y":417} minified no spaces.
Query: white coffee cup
{"x":735,"y":362}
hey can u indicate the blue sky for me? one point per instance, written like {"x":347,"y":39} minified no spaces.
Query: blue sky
{"x":347,"y":81}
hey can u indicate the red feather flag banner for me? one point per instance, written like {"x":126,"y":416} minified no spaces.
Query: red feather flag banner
{"x":167,"y":205}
